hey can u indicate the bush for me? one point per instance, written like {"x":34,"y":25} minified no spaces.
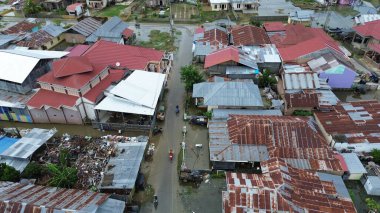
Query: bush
{"x":8,"y":173}
{"x":33,"y":171}
{"x":302,"y":113}
{"x":190,"y":75}
{"x":266,"y":79}
{"x":376,"y":155}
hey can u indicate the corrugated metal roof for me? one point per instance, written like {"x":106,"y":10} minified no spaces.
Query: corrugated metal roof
{"x":224,"y":113}
{"x":4,"y":39}
{"x":111,"y":30}
{"x":33,"y":198}
{"x":354,"y":165}
{"x":122,"y":170}
{"x":240,"y":70}
{"x":28,"y":144}
{"x":364,"y":18}
{"x":87,"y":26}
{"x":297,"y":78}
{"x":18,"y":164}
{"x":230,"y":93}
{"x":53,"y":30}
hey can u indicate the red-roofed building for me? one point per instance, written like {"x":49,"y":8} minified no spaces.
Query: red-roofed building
{"x":367,"y":37}
{"x":249,"y":36}
{"x":79,"y":81}
{"x":77,"y":50}
{"x":300,"y":101}
{"x":75,"y":9}
{"x":128,"y":36}
{"x":274,"y":27}
{"x":298,"y":42}
{"x":283,"y":188}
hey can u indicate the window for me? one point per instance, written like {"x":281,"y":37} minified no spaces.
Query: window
{"x":216,"y":6}
{"x":238,"y":6}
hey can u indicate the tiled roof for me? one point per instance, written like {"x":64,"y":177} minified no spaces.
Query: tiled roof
{"x":19,"y":28}
{"x":358,"y":121}
{"x":71,"y":66}
{"x":274,"y":26}
{"x":287,"y":137}
{"x":369,"y":29}
{"x":282,"y":188}
{"x":51,"y":99}
{"x":249,"y":36}
{"x":302,"y":100}
{"x":36,"y":39}
{"x":87,"y":26}
{"x":114,"y":76}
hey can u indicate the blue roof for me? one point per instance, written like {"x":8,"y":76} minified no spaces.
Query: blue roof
{"x":111,"y":30}
{"x":6,"y":142}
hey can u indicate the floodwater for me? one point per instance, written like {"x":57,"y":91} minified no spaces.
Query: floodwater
{"x":346,"y":96}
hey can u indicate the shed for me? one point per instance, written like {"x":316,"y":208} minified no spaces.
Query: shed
{"x":372,"y":185}
{"x":354,"y":166}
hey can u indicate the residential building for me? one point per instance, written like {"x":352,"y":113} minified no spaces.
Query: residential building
{"x":249,"y":35}
{"x":372,"y":185}
{"x":223,"y":114}
{"x":7,"y":40}
{"x":218,"y":5}
{"x":79,"y":81}
{"x":13,"y":106}
{"x":114,"y":30}
{"x":78,"y":33}
{"x":44,"y":39}
{"x":20,"y":197}
{"x":301,"y":17}
{"x":351,"y":126}
{"x":248,"y":140}
{"x":97,"y":4}
{"x":283,"y":188}
{"x":129,"y":99}
{"x":336,"y":74}
{"x":19,"y":153}
{"x":54,"y":4}
{"x":355,"y":168}
{"x":273,"y":28}
{"x":208,"y":40}
{"x":22,"y":28}
{"x":75,"y":9}
{"x":367,"y":38}
{"x":245,"y":6}
{"x":122,"y":170}
{"x":364,"y":18}
{"x":227,"y":94}
{"x":301,"y":101}
{"x":157,"y":3}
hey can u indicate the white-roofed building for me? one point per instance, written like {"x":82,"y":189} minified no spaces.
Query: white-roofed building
{"x":372,"y":185}
{"x":364,"y":18}
{"x":355,"y":168}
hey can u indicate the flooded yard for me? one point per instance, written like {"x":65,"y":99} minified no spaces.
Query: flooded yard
{"x":350,"y":96}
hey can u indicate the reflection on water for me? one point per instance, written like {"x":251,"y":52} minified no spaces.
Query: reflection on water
{"x":346,"y":96}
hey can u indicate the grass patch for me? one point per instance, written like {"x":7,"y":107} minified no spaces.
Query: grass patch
{"x":305,"y":4}
{"x":218,"y":174}
{"x":302,"y":113}
{"x":159,"y":41}
{"x":344,"y":10}
{"x":115,"y":10}
{"x":375,"y":3}
{"x":352,"y":194}
{"x":179,"y":160}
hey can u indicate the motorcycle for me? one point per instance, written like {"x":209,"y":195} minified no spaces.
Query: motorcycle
{"x":176,"y":110}
{"x":171,"y":154}
{"x":155,"y":201}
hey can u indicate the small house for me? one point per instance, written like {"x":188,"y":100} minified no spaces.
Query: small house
{"x":301,"y":17}
{"x":354,"y":166}
{"x":54,"y":4}
{"x":21,"y":28}
{"x":45,"y":39}
{"x":372,"y":185}
{"x":218,"y":5}
{"x":97,"y":4}
{"x":75,"y":9}
{"x":78,"y":33}
{"x":246,"y":6}
{"x":114,"y":30}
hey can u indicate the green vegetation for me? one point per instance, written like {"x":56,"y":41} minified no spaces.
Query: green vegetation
{"x":352,"y":194}
{"x":208,"y":114}
{"x":8,"y":173}
{"x":190,"y":75}
{"x":31,"y":8}
{"x":255,"y":23}
{"x":372,"y":205}
{"x":218,"y":174}
{"x":179,"y":159}
{"x":62,"y":175}
{"x":376,"y":155}
{"x":302,"y":113}
{"x":375,"y":3}
{"x":33,"y":171}
{"x":266,"y":79}
{"x":67,"y":26}
{"x":57,"y":22}
{"x":160,"y":41}
{"x":306,"y":4}
{"x":115,"y":10}
{"x":344,"y":10}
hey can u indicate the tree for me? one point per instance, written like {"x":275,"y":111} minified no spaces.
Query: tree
{"x":64,"y":177}
{"x":190,"y":75}
{"x":33,"y":170}
{"x":266,"y":79}
{"x":372,"y":205}
{"x":8,"y":173}
{"x":376,"y":155}
{"x":30,"y":7}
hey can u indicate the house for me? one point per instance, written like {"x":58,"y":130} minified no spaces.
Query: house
{"x":78,"y":33}
{"x":336,"y":74}
{"x":364,"y":18}
{"x":21,"y":197}
{"x":114,"y":30}
{"x":75,"y":9}
{"x":97,"y":4}
{"x":122,"y":170}
{"x":248,"y":140}
{"x":73,"y":87}
{"x":218,"y":62}
{"x":300,"y":101}
{"x":273,"y":28}
{"x":296,"y":77}
{"x":21,"y":28}
{"x":129,"y":98}
{"x":367,"y":38}
{"x":218,"y":5}
{"x":372,"y":185}
{"x":351,"y":126}
{"x":7,"y":40}
{"x":246,"y":6}
{"x":54,"y":4}
{"x":223,"y":114}
{"x":283,"y":188}
{"x":249,"y":35}
{"x":13,"y":106}
{"x":44,"y":39}
{"x":227,"y":94}
{"x":354,"y":166}
{"x":301,"y":44}
{"x":275,"y":10}
{"x":301,"y":17}
{"x":157,"y":3}
{"x":19,"y":153}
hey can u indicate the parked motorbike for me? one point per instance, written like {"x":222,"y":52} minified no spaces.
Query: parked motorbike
{"x":176,"y":110}
{"x":155,"y":201}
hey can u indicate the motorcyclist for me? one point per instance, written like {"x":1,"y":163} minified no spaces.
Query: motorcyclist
{"x":177,"y":109}
{"x":155,"y":201}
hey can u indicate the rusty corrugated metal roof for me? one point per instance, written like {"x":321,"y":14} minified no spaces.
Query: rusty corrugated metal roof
{"x":282,"y":188}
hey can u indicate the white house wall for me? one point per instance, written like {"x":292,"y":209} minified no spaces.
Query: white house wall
{"x":357,"y":147}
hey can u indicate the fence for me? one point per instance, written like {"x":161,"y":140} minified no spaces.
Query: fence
{"x":121,"y":126}
{"x":269,"y":18}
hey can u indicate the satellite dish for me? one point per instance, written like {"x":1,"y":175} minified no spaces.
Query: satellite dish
{"x":118,"y":64}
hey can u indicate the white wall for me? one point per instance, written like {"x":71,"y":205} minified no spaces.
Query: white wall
{"x":358,"y":147}
{"x":219,"y":6}
{"x":355,"y":176}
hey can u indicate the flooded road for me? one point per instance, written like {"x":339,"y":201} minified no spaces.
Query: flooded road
{"x":345,"y":96}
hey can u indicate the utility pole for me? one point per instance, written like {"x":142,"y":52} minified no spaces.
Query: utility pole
{"x":183,"y":146}
{"x":171,"y":18}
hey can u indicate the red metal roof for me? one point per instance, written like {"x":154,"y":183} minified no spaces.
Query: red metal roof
{"x":282,"y":188}
{"x":374,"y":47}
{"x":72,"y":7}
{"x":274,"y":26}
{"x":215,"y":37}
{"x":249,"y":36}
{"x":230,"y":53}
{"x":302,"y":100}
{"x":36,"y":39}
{"x":369,"y":29}
{"x":114,"y":76}
{"x":52,"y":99}
{"x":77,"y":50}
{"x":127,"y":33}
{"x":199,"y":30}
{"x":22,"y":27}
{"x":348,"y":122}
{"x":342,"y":162}
{"x":71,"y":66}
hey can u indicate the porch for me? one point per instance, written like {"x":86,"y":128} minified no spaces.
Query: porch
{"x":359,"y":41}
{"x":373,"y":55}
